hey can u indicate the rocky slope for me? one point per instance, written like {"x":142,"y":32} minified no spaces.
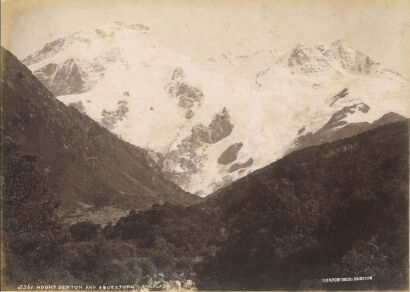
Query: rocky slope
{"x":336,"y":128}
{"x":90,"y":169}
{"x":189,"y":112}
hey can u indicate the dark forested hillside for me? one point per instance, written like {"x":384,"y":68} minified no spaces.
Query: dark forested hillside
{"x":330,"y":211}
{"x":86,"y":166}
{"x":338,"y":210}
{"x":30,"y":229}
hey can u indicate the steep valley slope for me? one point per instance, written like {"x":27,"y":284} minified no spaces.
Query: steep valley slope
{"x":89,"y":168}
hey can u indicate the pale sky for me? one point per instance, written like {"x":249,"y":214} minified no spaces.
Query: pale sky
{"x":200,"y":29}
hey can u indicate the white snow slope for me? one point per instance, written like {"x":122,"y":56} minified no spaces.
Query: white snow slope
{"x":166,"y":102}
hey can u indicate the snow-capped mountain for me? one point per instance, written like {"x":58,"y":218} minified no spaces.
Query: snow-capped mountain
{"x":209,"y":123}
{"x":95,"y":175}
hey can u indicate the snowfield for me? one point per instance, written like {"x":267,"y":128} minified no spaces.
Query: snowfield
{"x":184,"y":109}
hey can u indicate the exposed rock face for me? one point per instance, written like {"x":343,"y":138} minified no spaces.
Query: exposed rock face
{"x":219,"y":128}
{"x":74,"y":75}
{"x":86,"y":165}
{"x":352,"y":60}
{"x":188,"y":96}
{"x":337,"y":129}
{"x":180,"y":164}
{"x":110,"y":118}
{"x":337,"y":118}
{"x":48,"y":51}
{"x":311,"y":59}
{"x":340,"y":95}
{"x":237,"y":166}
{"x":338,"y":56}
{"x":230,"y":154}
{"x":301,"y":130}
{"x":70,"y":77}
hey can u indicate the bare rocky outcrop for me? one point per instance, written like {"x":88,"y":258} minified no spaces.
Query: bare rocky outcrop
{"x":185,"y":160}
{"x":340,"y":95}
{"x":70,"y":77}
{"x":337,"y":128}
{"x":237,"y":166}
{"x":187,"y":95}
{"x":230,"y":154}
{"x":219,"y":128}
{"x":111,"y":118}
{"x":353,"y":60}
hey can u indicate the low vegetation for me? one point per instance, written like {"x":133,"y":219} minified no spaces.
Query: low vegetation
{"x":329,"y":211}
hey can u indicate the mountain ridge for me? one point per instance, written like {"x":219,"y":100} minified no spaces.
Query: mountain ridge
{"x":155,"y":99}
{"x":324,"y":211}
{"x":86,"y":165}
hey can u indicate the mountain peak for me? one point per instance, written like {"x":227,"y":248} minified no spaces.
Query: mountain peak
{"x":353,"y":60}
{"x":171,"y":93}
{"x":340,"y":55}
{"x":134,"y":26}
{"x":311,"y":58}
{"x":85,"y":38}
{"x":73,"y":148}
{"x":340,"y":43}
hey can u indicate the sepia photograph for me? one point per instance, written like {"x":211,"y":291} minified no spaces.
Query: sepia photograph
{"x":204,"y":145}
